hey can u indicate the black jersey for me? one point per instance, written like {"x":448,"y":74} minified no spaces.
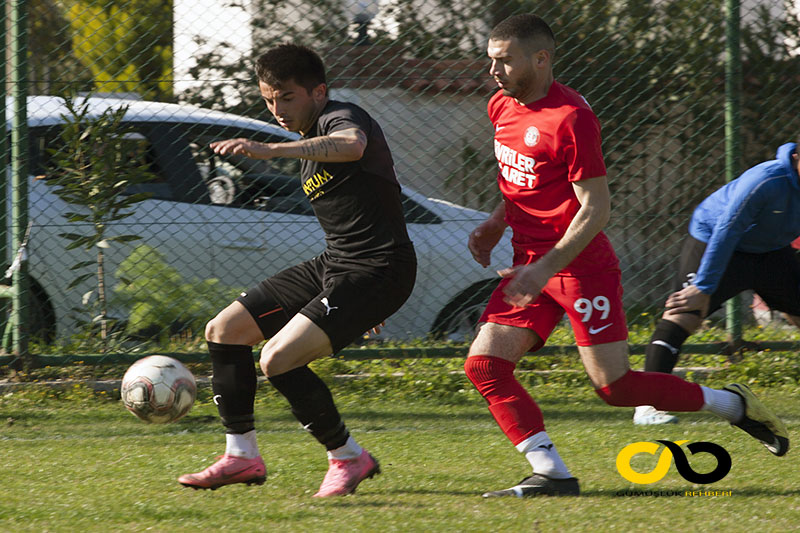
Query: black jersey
{"x":357,"y":203}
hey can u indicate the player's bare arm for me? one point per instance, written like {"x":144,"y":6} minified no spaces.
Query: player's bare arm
{"x":486,"y":236}
{"x":591,"y":218}
{"x":338,"y":147}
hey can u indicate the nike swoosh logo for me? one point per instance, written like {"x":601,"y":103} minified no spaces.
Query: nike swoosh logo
{"x":777,"y":212}
{"x":775,"y":446}
{"x":593,"y":330}
{"x":498,"y":128}
{"x":229,"y":475}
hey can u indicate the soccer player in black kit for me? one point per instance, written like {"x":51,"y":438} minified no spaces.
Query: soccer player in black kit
{"x":318,"y":307}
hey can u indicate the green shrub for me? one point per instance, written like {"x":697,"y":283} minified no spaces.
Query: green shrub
{"x":159,"y":301}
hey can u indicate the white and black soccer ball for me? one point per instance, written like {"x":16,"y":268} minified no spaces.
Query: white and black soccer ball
{"x":158,"y":389}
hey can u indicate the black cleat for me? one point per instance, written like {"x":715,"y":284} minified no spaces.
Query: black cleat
{"x":759,"y":422}
{"x":539,"y":485}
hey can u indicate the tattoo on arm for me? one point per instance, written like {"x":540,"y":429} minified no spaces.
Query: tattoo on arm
{"x":320,"y":146}
{"x":326,"y":146}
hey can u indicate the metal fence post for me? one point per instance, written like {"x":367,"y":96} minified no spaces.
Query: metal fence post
{"x":4,"y":140}
{"x":5,"y":296}
{"x":19,"y":169}
{"x":733,"y":92}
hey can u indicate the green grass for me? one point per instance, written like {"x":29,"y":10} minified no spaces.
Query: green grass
{"x":640,"y":328}
{"x":73,"y":460}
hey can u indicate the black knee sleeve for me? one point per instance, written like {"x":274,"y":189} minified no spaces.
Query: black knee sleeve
{"x":312,"y":405}
{"x":662,"y":353}
{"x":234,"y":384}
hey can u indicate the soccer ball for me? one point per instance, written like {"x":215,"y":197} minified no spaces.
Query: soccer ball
{"x":158,"y":389}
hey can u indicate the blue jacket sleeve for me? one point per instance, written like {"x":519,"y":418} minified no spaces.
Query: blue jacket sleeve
{"x":744,"y":206}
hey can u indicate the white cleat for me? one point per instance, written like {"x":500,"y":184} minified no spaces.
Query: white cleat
{"x":647,"y":415}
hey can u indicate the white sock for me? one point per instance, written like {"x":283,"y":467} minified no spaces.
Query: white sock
{"x":350,"y":450}
{"x":541,"y":453}
{"x":722,"y":403}
{"x":242,"y":444}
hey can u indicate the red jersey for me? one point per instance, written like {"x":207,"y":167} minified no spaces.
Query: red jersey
{"x":540,"y":149}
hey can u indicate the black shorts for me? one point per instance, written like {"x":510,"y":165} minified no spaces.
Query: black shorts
{"x":775,"y":276}
{"x":344,"y":297}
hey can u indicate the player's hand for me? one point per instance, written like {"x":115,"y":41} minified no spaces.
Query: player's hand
{"x":245,"y":147}
{"x":526,"y":284}
{"x":688,"y":299}
{"x":483,"y":239}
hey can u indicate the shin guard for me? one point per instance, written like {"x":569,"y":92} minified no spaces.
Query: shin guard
{"x":665,"y":392}
{"x":312,"y":405}
{"x":510,"y":404}
{"x":662,"y":353}
{"x":234,"y":384}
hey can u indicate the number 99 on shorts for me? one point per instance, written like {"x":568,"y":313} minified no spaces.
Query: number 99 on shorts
{"x":587,"y":307}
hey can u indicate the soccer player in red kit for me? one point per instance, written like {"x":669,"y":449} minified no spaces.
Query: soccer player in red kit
{"x":556,"y":201}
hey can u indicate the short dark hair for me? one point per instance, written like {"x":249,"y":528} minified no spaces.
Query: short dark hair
{"x":287,"y":62}
{"x":531,"y":29}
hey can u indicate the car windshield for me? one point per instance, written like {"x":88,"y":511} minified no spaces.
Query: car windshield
{"x":238,"y":181}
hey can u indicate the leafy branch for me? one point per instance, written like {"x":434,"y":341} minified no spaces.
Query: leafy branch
{"x":91,"y":170}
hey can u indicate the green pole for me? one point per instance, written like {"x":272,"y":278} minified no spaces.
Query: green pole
{"x":5,"y":302}
{"x":733,"y":97}
{"x":19,"y":172}
{"x":4,"y":147}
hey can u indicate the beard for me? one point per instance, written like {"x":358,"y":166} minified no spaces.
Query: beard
{"x":520,"y":87}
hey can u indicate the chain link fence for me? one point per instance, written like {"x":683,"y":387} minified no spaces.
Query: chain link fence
{"x":211,"y":226}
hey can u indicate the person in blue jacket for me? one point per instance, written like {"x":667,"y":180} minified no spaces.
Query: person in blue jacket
{"x":739,"y":239}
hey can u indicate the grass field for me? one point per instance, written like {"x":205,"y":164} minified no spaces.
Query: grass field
{"x":76,"y":461}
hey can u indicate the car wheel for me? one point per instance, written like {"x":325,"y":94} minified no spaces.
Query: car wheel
{"x":458,"y":319}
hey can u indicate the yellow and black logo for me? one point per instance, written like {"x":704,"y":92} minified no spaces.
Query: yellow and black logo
{"x":673,"y":450}
{"x":312,"y":185}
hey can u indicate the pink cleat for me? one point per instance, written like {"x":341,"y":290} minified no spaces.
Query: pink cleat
{"x":344,"y":475}
{"x":229,"y":469}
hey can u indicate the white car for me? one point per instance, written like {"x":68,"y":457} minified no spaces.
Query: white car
{"x":235,"y":220}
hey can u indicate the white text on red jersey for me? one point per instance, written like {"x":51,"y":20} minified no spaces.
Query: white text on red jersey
{"x":515,"y":167}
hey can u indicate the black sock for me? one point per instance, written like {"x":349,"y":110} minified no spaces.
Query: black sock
{"x":312,"y":405}
{"x":665,"y":346}
{"x":234,"y":384}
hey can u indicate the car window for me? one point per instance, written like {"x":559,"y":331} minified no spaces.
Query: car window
{"x":136,"y":150}
{"x":234,"y":181}
{"x":238,"y":181}
{"x":37,"y":154}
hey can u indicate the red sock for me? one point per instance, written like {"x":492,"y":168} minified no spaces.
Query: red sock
{"x":663,"y":391}
{"x":510,"y":404}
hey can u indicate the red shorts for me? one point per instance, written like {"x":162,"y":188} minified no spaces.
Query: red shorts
{"x":593,"y":304}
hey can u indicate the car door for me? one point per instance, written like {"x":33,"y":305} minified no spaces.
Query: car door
{"x":168,"y":221}
{"x":259,"y":220}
